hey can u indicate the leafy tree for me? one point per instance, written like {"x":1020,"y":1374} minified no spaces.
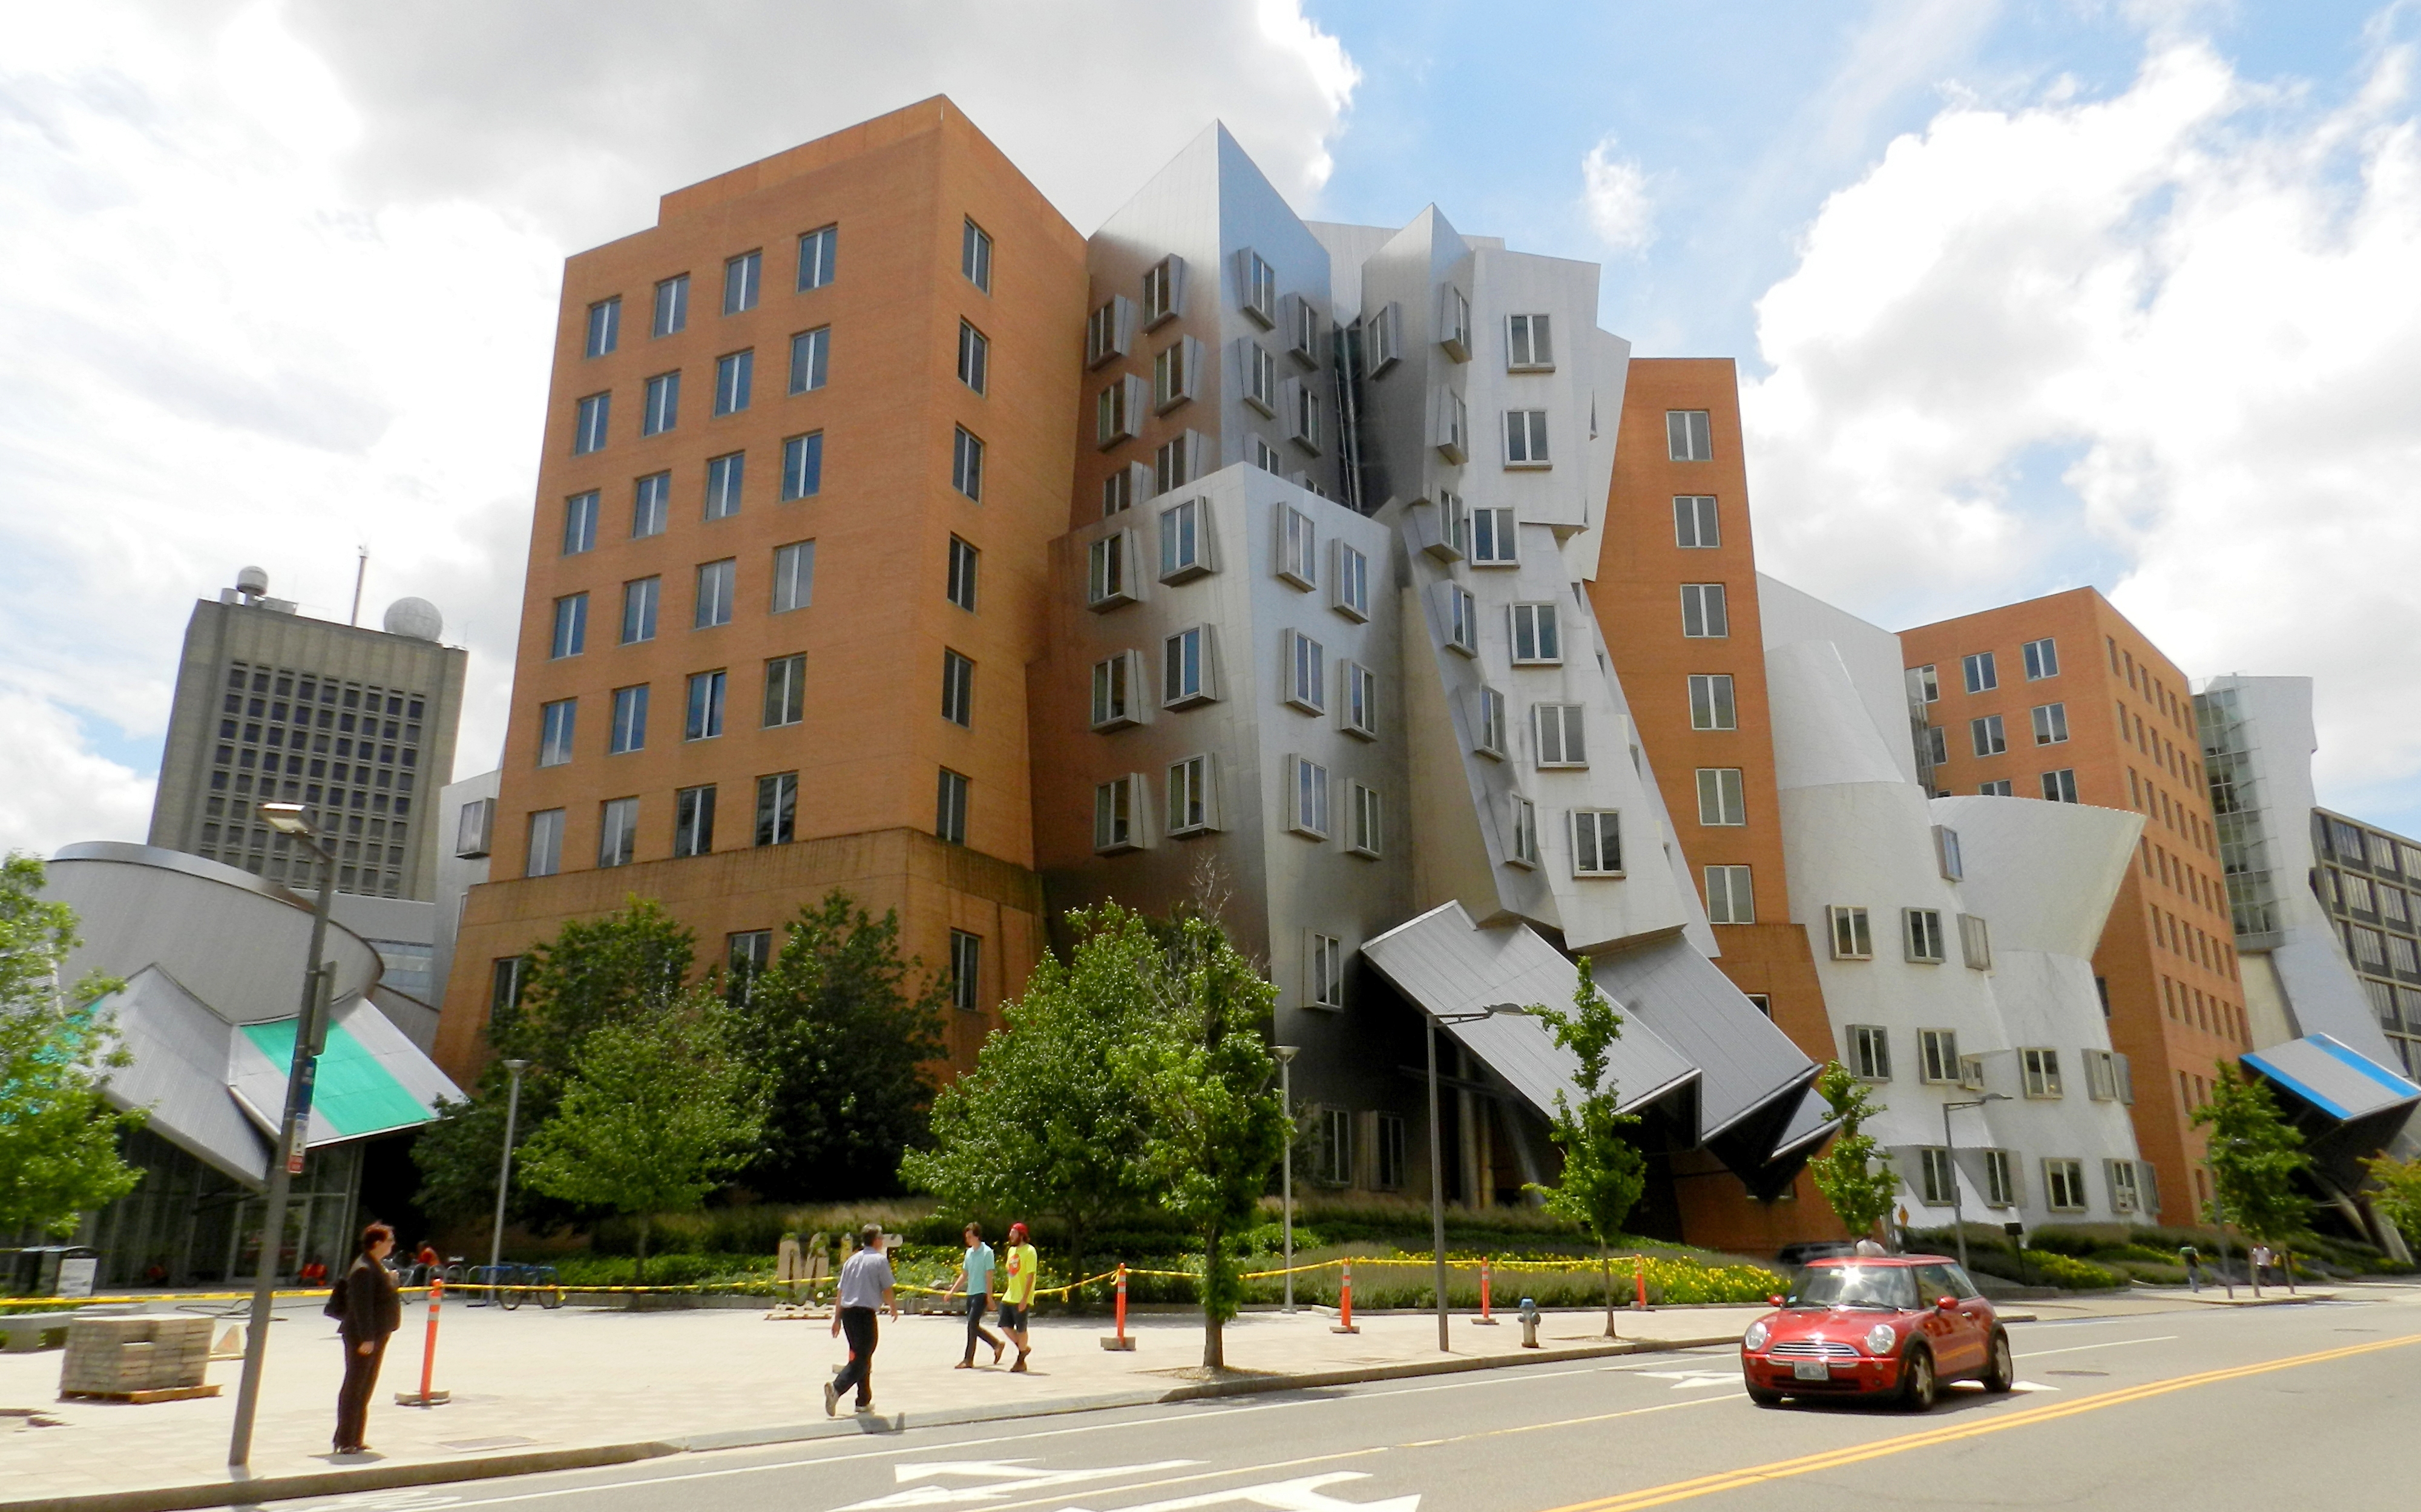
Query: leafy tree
{"x":1860,"y":1186}
{"x":657,"y":1111}
{"x":2397,"y":1198}
{"x":2253,"y":1155}
{"x":1603,"y":1171}
{"x":1045,"y":1123}
{"x":846,"y":1050}
{"x":612,"y":970}
{"x":1213,"y":1130}
{"x":58,"y":1136}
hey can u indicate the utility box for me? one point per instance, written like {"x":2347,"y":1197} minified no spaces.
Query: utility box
{"x":153,"y":1357}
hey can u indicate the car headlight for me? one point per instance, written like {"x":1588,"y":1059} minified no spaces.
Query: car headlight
{"x":1757,"y":1333}
{"x":1881,"y":1339}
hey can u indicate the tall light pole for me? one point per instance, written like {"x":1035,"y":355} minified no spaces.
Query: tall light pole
{"x":503,"y":1174}
{"x":1437,"y":1155}
{"x":1958,"y":1208}
{"x":310,"y":1032}
{"x":1285,"y":1054}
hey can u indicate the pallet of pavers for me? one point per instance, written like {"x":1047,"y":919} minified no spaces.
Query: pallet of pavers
{"x":143,"y":1357}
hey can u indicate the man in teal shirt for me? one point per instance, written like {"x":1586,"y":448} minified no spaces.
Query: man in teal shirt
{"x":975,"y":1275}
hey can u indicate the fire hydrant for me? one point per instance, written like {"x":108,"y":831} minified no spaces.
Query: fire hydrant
{"x":1529,"y":1324}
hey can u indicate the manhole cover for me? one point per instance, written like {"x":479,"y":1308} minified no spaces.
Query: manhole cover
{"x":508,"y":1441}
{"x":2076,"y":1372}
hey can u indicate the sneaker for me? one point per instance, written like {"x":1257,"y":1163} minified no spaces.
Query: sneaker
{"x":832,"y":1401}
{"x":866,"y":1405}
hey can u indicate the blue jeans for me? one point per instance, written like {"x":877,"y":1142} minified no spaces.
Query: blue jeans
{"x":975,"y":1324}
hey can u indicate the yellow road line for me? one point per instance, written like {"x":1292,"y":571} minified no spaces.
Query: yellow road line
{"x":1834,"y":1458}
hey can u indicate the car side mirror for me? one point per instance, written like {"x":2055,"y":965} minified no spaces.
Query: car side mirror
{"x":1773,"y":1301}
{"x":1947,"y":1304}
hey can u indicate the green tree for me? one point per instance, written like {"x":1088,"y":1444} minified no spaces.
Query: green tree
{"x":847,"y":1049}
{"x":1603,"y":1171}
{"x":1045,"y":1123}
{"x":1213,"y":1130}
{"x":657,"y":1111}
{"x":2397,"y":1196}
{"x":1859,"y":1184}
{"x":58,"y":1134}
{"x":616,"y":969}
{"x":2254,"y":1156}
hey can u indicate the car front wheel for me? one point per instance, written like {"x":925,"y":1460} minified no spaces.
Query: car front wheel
{"x":1763,"y":1398}
{"x":1919,"y":1386}
{"x":2000,"y":1371}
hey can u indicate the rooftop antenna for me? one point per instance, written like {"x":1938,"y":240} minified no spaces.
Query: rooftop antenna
{"x":361,"y":571}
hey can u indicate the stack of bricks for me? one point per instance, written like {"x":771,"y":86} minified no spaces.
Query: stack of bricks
{"x":117,"y":1356}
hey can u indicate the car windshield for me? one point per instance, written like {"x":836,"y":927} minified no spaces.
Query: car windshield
{"x":1856,"y":1285}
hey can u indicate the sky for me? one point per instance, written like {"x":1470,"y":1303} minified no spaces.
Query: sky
{"x":2024,"y":296}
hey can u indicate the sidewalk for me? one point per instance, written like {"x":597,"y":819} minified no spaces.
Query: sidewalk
{"x":535,"y":1390}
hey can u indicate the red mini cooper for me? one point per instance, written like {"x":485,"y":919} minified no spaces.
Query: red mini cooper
{"x":1895,"y":1325}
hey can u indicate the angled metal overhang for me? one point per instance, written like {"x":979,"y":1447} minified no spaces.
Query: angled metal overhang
{"x":2334,"y":1078}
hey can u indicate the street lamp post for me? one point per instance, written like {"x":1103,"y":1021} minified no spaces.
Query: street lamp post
{"x":503,"y":1174}
{"x":310,"y":1028}
{"x":1285,"y":1054}
{"x":1437,"y":1155}
{"x":1958,"y":1207}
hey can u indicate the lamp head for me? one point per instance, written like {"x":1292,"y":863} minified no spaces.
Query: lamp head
{"x":517,"y":1067}
{"x":1286,"y":1053}
{"x":286,"y":818}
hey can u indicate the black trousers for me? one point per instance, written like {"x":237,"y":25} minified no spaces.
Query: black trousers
{"x":975,"y":1324}
{"x":353,"y":1398}
{"x":857,"y":1326}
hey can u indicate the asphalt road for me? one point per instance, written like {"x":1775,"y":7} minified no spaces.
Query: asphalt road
{"x":2275,"y":1408}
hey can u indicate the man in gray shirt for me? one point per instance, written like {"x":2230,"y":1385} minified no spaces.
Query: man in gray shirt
{"x":866,"y":1284}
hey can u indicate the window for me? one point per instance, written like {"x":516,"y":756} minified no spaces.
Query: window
{"x":705,"y":720}
{"x":2001,"y":789}
{"x":639,"y":610}
{"x":1462,"y":619}
{"x":475,"y":828}
{"x":1870,"y":1052}
{"x":1389,"y":1152}
{"x":1298,"y":406}
{"x":672,"y":305}
{"x":694,"y":822}
{"x":1710,"y":702}
{"x":629,"y":731}
{"x":966,"y":465}
{"x":604,"y":326}
{"x":1921,"y":933}
{"x":803,"y":466}
{"x":1114,"y":815}
{"x":975,"y":256}
{"x":1597,"y":842}
{"x":1937,"y":745}
{"x":545,"y":854}
{"x":786,"y":690}
{"x":950,"y":807}
{"x":1935,"y":1179}
{"x":1454,"y":322}
{"x":2051,"y":724}
{"x":2040,"y":1072}
{"x":662,"y":409}
{"x":1922,"y":685}
{"x":1453,"y":427}
{"x":1526,"y":343}
{"x":1298,"y":547}
{"x":1307,"y":798}
{"x":1382,"y":337}
{"x":505,"y":976}
{"x":810,"y":359}
{"x":570,"y":626}
{"x":1109,"y":572}
{"x":1175,"y":374}
{"x":1117,"y":411}
{"x":1980,"y":672}
{"x":1186,"y":673}
{"x":555,"y":723}
{"x":2064,"y":1185}
{"x":2000,"y":1179}
{"x":2126,"y":1196}
{"x":1975,"y":942}
{"x":794,"y":576}
{"x":1121,"y":490}
{"x":975,"y":356}
{"x":1114,"y":701}
{"x":1493,"y":538}
{"x":1489,"y":740}
{"x":1305,"y":670}
{"x":958,"y":689}
{"x":1359,"y":688}
{"x":2042,"y":659}
{"x":746,"y":954}
{"x":1522,"y":842}
{"x":1729,"y":900}
{"x":580,"y":524}
{"x":1946,"y":855}
{"x":1694,"y":524}
{"x":966,"y":972}
{"x":1525,"y":438}
{"x":1163,"y":290}
{"x":1703,"y":613}
{"x":1109,"y":331}
{"x":2060,"y":787}
{"x":1722,"y":798}
{"x":1185,"y":542}
{"x":1361,"y":838}
{"x":959,"y":583}
{"x":1937,"y":1053}
{"x":1687,"y":438}
{"x":618,"y":831}
{"x":588,"y":429}
{"x":1332,"y":1147}
{"x":1260,"y":376}
{"x":716,"y":586}
{"x":1352,"y":595}
{"x":1560,"y":734}
{"x":777,"y":808}
{"x":724,"y":476}
{"x":1192,"y":802}
{"x":1535,"y":640}
{"x":742,"y":278}
{"x":1323,"y":986}
{"x":651,"y":499}
{"x":817,"y":250}
{"x":1850,"y":939}
{"x":1987,"y":736}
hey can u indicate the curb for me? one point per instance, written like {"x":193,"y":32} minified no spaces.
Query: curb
{"x":590,"y":1456}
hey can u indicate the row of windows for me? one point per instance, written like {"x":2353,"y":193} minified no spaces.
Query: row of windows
{"x":1981,"y":673}
{"x":714,"y":596}
{"x":2171,"y":708}
{"x":2108,"y":1077}
{"x":2351,"y":844}
{"x":364,"y":845}
{"x":2348,"y":892}
{"x":1921,"y":936}
{"x":2192,"y":942}
{"x":1987,"y":736}
{"x":2207,"y":1011}
{"x":2170,"y":870}
{"x":2056,"y":786}
{"x":2131,"y":1184}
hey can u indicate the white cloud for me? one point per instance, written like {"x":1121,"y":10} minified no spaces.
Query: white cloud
{"x":52,"y":789}
{"x":1614,"y":191}
{"x":2195,"y":301}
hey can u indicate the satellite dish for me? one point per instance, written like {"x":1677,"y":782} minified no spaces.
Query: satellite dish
{"x":416,"y":617}
{"x":252,"y":581}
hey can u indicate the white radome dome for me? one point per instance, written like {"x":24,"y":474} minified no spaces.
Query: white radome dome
{"x":416,"y":617}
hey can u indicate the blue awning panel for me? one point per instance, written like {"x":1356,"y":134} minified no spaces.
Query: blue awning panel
{"x":2333,"y":1077}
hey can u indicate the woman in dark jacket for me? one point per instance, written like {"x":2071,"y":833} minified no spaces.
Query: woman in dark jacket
{"x":371,"y":1311}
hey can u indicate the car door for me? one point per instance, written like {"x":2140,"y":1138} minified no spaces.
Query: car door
{"x":1978,"y":1311}
{"x":1957,"y":1343}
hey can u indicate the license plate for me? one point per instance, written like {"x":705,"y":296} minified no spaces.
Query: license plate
{"x":1810,"y":1370}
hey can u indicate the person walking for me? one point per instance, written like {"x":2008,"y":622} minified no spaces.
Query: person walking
{"x":2192,"y":1259}
{"x":2260,"y":1258}
{"x":1017,"y":1294}
{"x":367,"y":1311}
{"x":974,"y":1275}
{"x":866,"y":1284}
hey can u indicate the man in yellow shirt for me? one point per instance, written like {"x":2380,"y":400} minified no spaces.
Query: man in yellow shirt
{"x":1017,"y":1292}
